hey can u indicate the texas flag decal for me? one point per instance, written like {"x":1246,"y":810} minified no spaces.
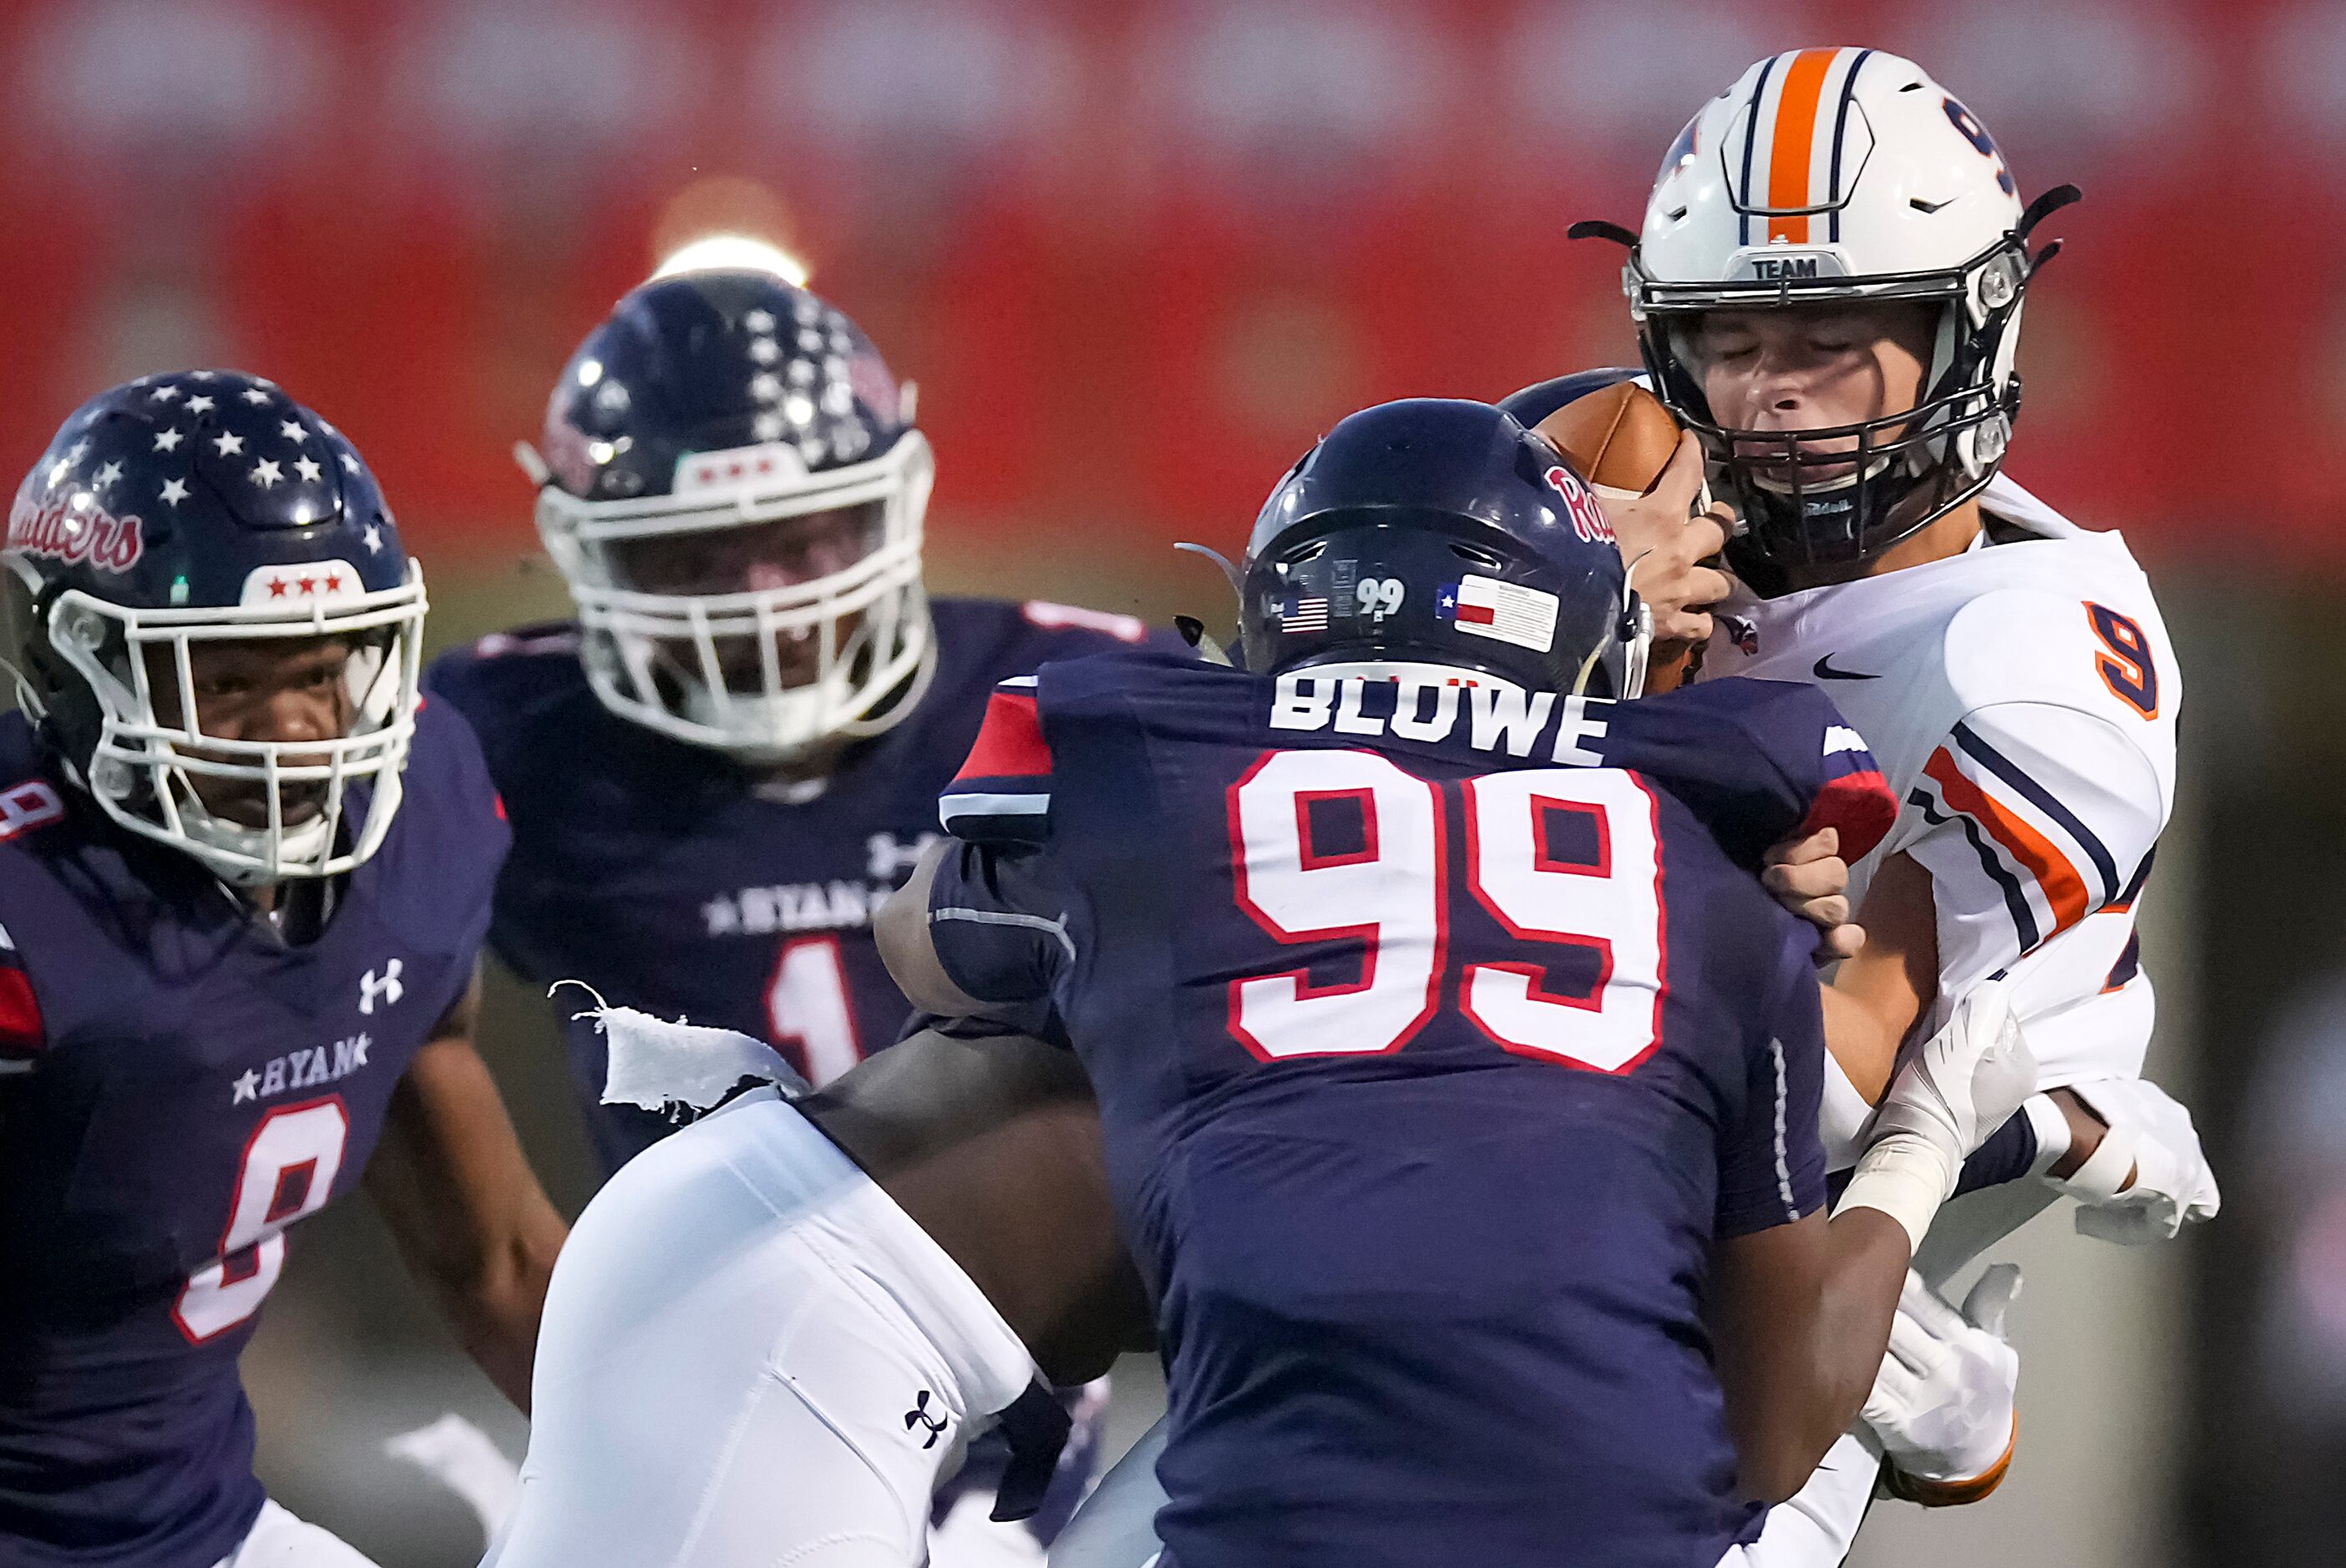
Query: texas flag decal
{"x":1504,"y":612}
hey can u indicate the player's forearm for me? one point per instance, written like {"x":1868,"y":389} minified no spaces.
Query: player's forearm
{"x":494,"y":1305}
{"x":1877,"y":997}
{"x":1799,"y":1315}
{"x":469,"y":1217}
{"x":1864,"y":1273}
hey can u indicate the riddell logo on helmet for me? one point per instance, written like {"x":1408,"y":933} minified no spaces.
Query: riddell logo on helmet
{"x":76,"y":534}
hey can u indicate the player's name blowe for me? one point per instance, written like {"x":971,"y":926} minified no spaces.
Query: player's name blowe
{"x":1430,"y":710}
{"x":302,"y":1069}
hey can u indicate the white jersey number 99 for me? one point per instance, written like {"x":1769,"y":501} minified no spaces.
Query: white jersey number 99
{"x":1386,"y":885}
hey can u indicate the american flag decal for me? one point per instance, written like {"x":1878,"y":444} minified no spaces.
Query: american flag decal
{"x":1303,"y":614}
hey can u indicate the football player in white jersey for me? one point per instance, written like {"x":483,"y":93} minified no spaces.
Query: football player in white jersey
{"x":1828,"y":286}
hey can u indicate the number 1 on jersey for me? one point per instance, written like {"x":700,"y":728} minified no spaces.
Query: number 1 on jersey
{"x":807,"y":1007}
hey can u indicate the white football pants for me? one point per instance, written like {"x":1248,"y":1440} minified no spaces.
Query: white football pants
{"x":278,"y":1539}
{"x":751,"y":1356}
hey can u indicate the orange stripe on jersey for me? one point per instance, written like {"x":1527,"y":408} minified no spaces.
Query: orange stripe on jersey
{"x":1795,"y":141}
{"x":2064,"y":890}
{"x":1010,"y":744}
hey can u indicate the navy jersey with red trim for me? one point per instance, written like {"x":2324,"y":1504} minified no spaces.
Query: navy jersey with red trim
{"x":667,"y":879}
{"x":1437,"y":1033}
{"x":178,"y":1087}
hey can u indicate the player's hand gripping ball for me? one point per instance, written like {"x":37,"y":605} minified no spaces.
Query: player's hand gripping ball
{"x":1649,"y":476}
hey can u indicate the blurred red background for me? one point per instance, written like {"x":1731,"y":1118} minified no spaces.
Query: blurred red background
{"x":1136,"y":256}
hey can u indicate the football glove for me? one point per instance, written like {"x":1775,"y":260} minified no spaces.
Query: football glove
{"x":1946,"y":1099}
{"x":1943,"y":1405}
{"x":2151,"y":1138}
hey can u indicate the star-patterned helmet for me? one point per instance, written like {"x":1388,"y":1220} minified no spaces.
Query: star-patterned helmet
{"x":206,"y":507}
{"x":731,"y":484}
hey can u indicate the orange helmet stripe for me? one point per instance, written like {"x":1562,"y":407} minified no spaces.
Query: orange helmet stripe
{"x":1795,"y":141}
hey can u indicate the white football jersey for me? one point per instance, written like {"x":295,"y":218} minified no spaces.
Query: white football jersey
{"x":2021,"y":700}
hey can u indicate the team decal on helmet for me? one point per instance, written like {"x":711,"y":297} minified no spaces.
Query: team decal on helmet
{"x":76,"y":529}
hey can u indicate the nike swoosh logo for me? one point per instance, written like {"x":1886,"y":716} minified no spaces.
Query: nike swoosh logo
{"x":1825,"y":671}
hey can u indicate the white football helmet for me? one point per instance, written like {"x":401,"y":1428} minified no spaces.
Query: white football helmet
{"x":1830,"y":175}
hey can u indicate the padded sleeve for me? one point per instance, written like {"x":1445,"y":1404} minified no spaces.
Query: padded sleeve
{"x":1000,"y":927}
{"x":1003,"y":793}
{"x":23,"y":1034}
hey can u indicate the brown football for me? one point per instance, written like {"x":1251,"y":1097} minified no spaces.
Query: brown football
{"x":1621,"y":438}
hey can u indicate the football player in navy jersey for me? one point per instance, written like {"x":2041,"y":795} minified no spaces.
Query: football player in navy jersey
{"x":244,"y":879}
{"x":1459,"y":1090}
{"x":733,"y":754}
{"x":712,"y":1326}
{"x":716,"y":773}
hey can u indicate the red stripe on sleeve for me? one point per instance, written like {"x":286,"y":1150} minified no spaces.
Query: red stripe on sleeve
{"x":22,"y":1032}
{"x":1010,"y":744}
{"x":1860,"y":806}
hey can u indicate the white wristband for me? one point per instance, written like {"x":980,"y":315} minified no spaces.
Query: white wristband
{"x":1906,"y":1175}
{"x":2052,"y":1130}
{"x":2106,"y":1170}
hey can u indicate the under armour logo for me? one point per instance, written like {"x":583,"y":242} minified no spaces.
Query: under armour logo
{"x":891,"y":857}
{"x":387,"y":987}
{"x":918,"y":1416}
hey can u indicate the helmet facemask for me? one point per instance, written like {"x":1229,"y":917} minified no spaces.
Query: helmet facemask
{"x":786,"y":639}
{"x":1834,"y":496}
{"x":150,"y":775}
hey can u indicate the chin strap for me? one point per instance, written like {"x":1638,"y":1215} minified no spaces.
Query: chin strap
{"x":2045,"y":206}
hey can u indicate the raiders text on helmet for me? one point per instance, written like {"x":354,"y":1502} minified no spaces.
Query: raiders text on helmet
{"x":1831,"y":176}
{"x":210,"y":507}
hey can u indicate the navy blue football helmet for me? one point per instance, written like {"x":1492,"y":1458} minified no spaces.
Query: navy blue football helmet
{"x":1442,"y":534}
{"x":208,"y":507}
{"x":733,"y":486}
